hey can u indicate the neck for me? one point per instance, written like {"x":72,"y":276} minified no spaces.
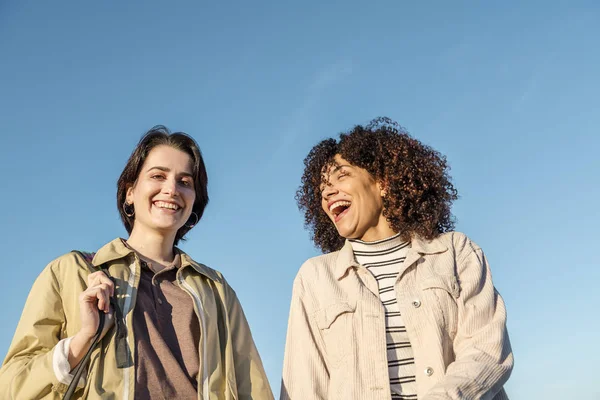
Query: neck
{"x":153,"y":245}
{"x":378,"y":232}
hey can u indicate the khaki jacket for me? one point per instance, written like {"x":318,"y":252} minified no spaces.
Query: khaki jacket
{"x":455,"y":319}
{"x":230,"y":367}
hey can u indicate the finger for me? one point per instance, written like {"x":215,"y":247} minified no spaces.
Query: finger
{"x":104,"y":297}
{"x":97,"y":277}
{"x":90,"y":294}
{"x":101,"y":302}
{"x":109,"y":284}
{"x":99,"y":294}
{"x":93,"y":277}
{"x":101,"y":278}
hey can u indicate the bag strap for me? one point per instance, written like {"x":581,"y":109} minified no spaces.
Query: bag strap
{"x":81,"y":366}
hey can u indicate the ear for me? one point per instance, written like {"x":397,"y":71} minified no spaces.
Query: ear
{"x":129,"y":194}
{"x":382,"y":188}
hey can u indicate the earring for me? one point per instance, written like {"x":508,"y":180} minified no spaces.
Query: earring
{"x":128,"y":209}
{"x":190,"y":226}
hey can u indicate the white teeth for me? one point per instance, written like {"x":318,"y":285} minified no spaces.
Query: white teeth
{"x":338,"y":204}
{"x":163,"y":204}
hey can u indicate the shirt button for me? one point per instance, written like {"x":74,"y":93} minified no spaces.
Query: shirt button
{"x":428,"y":371}
{"x":416,"y":303}
{"x":160,"y":301}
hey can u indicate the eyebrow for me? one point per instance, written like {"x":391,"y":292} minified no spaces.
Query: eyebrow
{"x":338,"y":167}
{"x":165,"y":169}
{"x":333,"y":171}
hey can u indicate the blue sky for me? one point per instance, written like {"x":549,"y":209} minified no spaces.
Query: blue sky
{"x":508,"y":93}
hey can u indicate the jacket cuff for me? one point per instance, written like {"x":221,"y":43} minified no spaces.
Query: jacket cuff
{"x":60,"y":364}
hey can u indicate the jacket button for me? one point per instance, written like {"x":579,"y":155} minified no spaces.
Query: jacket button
{"x":416,"y":303}
{"x":428,"y":371}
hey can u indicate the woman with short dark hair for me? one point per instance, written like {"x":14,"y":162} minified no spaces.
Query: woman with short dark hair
{"x":174,"y":327}
{"x":400,"y":306}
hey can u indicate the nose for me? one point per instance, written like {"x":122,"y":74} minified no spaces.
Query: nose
{"x":170,"y":187}
{"x":329,"y":191}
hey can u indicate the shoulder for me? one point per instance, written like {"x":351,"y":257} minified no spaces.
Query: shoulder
{"x":67,"y":270}
{"x":458,"y":243}
{"x":450,"y":252}
{"x":202,"y":269}
{"x":209,"y":272}
{"x":69,"y":262}
{"x":316,"y":268}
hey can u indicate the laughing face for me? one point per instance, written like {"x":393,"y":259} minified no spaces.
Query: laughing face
{"x":163,"y":194}
{"x":353,"y":200}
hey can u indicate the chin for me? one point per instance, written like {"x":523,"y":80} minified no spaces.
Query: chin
{"x":345,"y":233}
{"x":166,"y":228}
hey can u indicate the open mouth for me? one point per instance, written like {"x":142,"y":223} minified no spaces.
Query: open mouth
{"x":339,"y":209}
{"x":166,"y":205}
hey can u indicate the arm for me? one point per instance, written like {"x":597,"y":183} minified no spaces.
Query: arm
{"x":28,"y":372}
{"x":40,"y":358}
{"x":305,"y":374}
{"x":484,"y":358}
{"x":251,"y":379}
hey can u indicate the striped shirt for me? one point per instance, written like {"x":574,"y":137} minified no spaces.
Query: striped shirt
{"x":383,"y":259}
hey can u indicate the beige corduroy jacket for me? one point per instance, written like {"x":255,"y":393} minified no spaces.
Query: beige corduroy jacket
{"x":455,"y":319}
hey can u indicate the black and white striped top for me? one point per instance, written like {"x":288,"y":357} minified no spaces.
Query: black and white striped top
{"x":383,"y":259}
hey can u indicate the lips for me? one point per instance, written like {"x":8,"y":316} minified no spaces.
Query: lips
{"x":341,"y":215}
{"x":339,"y":209}
{"x":167,"y":205}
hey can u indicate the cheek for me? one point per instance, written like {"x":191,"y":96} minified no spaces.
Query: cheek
{"x":145,"y":189}
{"x":190,"y":197}
{"x":373,"y":201}
{"x":324,"y":207}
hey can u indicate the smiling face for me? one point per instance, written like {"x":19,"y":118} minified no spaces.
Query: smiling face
{"x":163,"y":194}
{"x":352,"y":199}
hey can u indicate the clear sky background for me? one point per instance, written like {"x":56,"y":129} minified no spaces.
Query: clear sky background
{"x":509,"y":93}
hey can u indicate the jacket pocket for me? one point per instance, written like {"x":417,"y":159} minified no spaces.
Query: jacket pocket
{"x":447,"y":283}
{"x":336,"y":325}
{"x":442,"y":291}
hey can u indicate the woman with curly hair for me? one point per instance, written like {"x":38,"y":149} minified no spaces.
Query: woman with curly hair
{"x":399,"y":306}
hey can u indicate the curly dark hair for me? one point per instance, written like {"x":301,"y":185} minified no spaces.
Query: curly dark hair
{"x":419,"y":192}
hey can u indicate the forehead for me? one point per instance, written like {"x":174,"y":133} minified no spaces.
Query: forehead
{"x":167,"y":156}
{"x":331,"y":168}
{"x":333,"y":165}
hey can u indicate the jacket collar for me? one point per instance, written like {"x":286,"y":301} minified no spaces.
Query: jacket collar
{"x":424,"y":246}
{"x":345,"y":260}
{"x":116,"y":250}
{"x":418,"y":246}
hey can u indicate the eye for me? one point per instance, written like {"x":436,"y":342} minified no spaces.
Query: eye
{"x":342,"y":174}
{"x":157,"y":176}
{"x":186,"y":182}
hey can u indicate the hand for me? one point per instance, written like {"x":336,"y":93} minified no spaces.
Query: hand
{"x":95,"y":297}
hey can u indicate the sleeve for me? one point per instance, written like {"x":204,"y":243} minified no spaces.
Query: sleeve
{"x":34,"y":365}
{"x":251,"y":378}
{"x":305,"y":374}
{"x":484,"y":358}
{"x":61,"y":366}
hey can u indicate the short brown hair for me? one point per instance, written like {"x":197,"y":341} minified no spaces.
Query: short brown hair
{"x":419,"y":191}
{"x":160,"y":135}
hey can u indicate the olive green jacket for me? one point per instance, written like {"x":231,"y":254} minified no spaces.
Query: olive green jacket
{"x":230,"y":366}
